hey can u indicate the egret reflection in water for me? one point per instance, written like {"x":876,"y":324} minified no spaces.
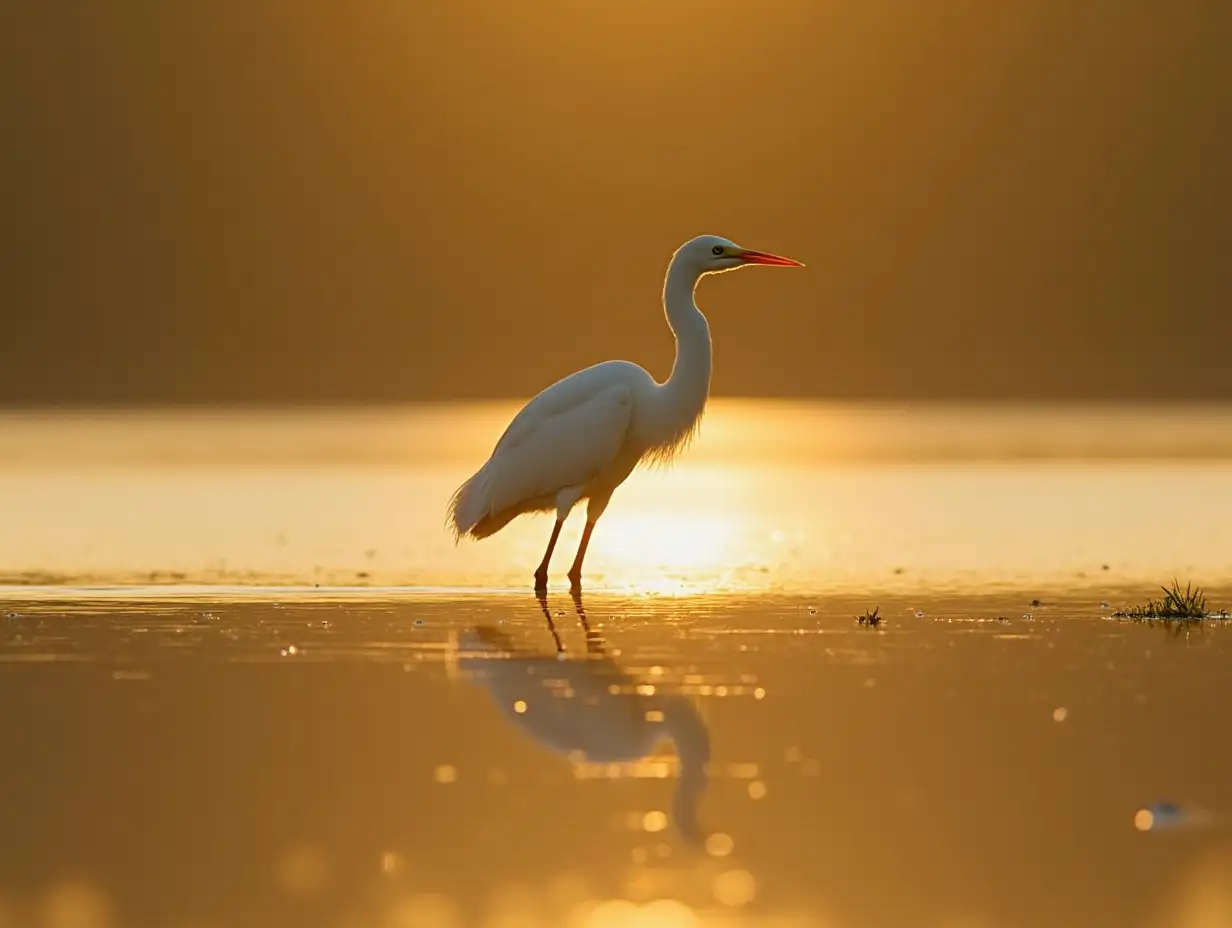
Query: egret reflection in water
{"x":590,"y":710}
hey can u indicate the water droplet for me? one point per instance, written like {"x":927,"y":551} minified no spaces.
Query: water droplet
{"x":734,"y":888}
{"x":719,"y":844}
{"x":1060,"y":714}
{"x":445,"y":773}
{"x":759,"y":693}
{"x":519,"y":706}
{"x":757,"y":790}
{"x":654,"y":821}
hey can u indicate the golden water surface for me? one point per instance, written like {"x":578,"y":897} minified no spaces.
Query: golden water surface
{"x":248,"y":679}
{"x":773,"y":496}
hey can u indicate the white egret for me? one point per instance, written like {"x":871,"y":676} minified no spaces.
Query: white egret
{"x":581,"y":437}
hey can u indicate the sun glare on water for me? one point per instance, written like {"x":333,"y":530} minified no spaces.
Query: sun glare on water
{"x":773,"y":496}
{"x":698,"y":543}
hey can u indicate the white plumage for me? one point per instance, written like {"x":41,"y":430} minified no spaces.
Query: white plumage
{"x":581,"y":437}
{"x":555,"y":447}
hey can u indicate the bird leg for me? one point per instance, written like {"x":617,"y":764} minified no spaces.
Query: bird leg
{"x":541,"y":575}
{"x":575,"y":572}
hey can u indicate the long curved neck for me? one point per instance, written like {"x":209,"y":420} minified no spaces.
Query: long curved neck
{"x":689,"y":384}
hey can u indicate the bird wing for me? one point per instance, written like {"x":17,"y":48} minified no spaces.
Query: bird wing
{"x":566,"y":394}
{"x":565,"y":437}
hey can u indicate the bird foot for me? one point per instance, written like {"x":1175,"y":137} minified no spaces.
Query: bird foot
{"x":541,"y":582}
{"x":575,"y":582}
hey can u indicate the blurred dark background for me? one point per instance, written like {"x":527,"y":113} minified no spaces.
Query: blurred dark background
{"x":282,"y":200}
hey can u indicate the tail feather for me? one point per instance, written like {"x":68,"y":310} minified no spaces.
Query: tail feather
{"x":473,"y":509}
{"x":469,"y":505}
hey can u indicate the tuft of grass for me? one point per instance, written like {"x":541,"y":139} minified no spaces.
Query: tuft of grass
{"x":1189,"y":603}
{"x":871,"y":619}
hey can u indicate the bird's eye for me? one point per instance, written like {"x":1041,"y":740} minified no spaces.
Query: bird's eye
{"x":717,"y":250}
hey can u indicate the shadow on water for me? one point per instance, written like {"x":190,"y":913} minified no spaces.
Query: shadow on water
{"x":590,"y":710}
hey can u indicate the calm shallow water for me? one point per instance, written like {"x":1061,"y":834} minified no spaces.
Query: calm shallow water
{"x":786,"y":497}
{"x":249,"y":680}
{"x":344,"y":761}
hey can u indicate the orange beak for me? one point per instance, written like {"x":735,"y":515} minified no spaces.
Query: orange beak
{"x":761,"y":257}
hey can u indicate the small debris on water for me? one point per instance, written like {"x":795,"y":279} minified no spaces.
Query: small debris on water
{"x":1166,"y":816}
{"x":870,"y":619}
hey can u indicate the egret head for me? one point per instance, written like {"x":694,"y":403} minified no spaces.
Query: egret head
{"x":709,"y":254}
